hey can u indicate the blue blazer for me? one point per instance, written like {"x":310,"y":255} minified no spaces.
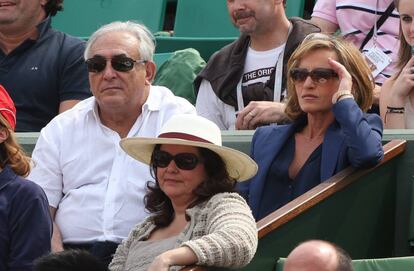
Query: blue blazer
{"x":354,"y":138}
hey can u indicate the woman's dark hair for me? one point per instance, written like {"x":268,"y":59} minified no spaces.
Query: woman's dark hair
{"x":68,"y":260}
{"x":218,"y":181}
{"x":53,"y":6}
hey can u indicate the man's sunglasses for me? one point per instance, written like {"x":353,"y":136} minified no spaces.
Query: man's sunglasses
{"x":185,"y":161}
{"x":119,"y":63}
{"x":318,"y":75}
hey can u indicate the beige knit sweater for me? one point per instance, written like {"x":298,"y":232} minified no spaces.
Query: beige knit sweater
{"x":221,"y":232}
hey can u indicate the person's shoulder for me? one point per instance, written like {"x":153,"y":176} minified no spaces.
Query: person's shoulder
{"x":229,"y":51}
{"x":226,"y":196}
{"x":71,"y":117}
{"x":270,"y":130}
{"x":24,"y":190}
{"x":221,"y":200}
{"x":66,"y":43}
{"x":302,"y":25}
{"x":167,"y":100}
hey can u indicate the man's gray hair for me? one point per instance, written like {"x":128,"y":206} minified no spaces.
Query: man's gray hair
{"x":139,"y":31}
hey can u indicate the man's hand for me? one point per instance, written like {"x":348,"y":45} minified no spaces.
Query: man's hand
{"x":258,"y":113}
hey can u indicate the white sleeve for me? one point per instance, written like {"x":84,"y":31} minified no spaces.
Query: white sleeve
{"x":208,"y":105}
{"x":46,"y":170}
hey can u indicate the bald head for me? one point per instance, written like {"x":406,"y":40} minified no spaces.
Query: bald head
{"x":316,"y":255}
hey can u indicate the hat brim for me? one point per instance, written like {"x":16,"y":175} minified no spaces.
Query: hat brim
{"x":239,"y":165}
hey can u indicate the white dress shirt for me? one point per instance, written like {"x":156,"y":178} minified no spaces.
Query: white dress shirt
{"x":97,"y":188}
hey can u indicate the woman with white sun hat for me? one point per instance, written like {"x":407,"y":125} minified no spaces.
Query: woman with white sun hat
{"x":196,"y":216}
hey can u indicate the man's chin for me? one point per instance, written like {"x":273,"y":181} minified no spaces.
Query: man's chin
{"x":244,"y":29}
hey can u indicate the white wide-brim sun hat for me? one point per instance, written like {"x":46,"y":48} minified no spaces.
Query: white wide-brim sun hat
{"x":192,"y":130}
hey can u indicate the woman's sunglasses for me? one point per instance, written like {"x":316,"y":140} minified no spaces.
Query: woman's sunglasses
{"x":318,"y":75}
{"x":119,"y":63}
{"x":185,"y":161}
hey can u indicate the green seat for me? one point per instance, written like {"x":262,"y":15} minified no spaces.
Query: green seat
{"x":411,"y":228}
{"x":82,"y":17}
{"x":206,"y":46}
{"x":384,"y":264}
{"x":160,"y":58}
{"x":203,"y":19}
{"x":295,"y":8}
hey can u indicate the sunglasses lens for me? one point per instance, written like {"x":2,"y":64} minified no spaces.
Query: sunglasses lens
{"x":162,"y":159}
{"x":321,"y":75}
{"x":96,"y":64}
{"x":299,"y":75}
{"x":122,"y":64}
{"x":186,"y":161}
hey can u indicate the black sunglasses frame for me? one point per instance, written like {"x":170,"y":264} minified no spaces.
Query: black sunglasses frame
{"x":184,"y":161}
{"x":318,"y":75}
{"x":97,"y":64}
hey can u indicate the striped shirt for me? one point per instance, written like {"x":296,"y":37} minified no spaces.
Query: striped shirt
{"x":355,"y":18}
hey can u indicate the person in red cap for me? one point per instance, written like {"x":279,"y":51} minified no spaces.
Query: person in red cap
{"x":25,"y":222}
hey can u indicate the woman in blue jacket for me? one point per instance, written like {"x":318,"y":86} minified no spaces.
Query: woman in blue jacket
{"x":25,"y":223}
{"x":329,"y":89}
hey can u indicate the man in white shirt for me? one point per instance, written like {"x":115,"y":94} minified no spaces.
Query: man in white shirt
{"x":243,"y":84}
{"x":95,"y":190}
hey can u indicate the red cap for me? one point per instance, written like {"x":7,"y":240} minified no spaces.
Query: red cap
{"x":7,"y":109}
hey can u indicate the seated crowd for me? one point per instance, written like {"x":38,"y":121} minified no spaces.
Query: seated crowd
{"x":136,"y":178}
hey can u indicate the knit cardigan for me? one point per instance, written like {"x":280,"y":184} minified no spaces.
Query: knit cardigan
{"x":221,"y":232}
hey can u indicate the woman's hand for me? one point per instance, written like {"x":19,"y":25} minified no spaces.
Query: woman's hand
{"x":345,"y":79}
{"x":177,"y":256}
{"x":160,"y":263}
{"x":403,"y":85}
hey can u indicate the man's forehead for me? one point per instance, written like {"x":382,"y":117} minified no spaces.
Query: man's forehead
{"x":114,"y":43}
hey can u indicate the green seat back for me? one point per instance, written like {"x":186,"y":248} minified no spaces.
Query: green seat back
{"x":160,"y":58}
{"x":295,"y":8}
{"x":411,"y":228}
{"x":82,"y":17}
{"x":205,"y":46}
{"x":206,"y":18}
{"x":384,"y":264}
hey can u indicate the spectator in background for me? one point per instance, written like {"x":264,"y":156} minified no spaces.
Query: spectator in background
{"x":329,"y":89}
{"x":25,"y":223}
{"x":243,"y":84}
{"x":41,"y":68}
{"x":318,"y":255}
{"x":70,"y":260}
{"x":397,"y":96}
{"x":94,"y":189}
{"x":355,"y":19}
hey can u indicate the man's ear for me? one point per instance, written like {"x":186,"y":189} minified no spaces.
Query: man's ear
{"x":150,"y":72}
{"x":43,"y":2}
{"x":4,"y":134}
